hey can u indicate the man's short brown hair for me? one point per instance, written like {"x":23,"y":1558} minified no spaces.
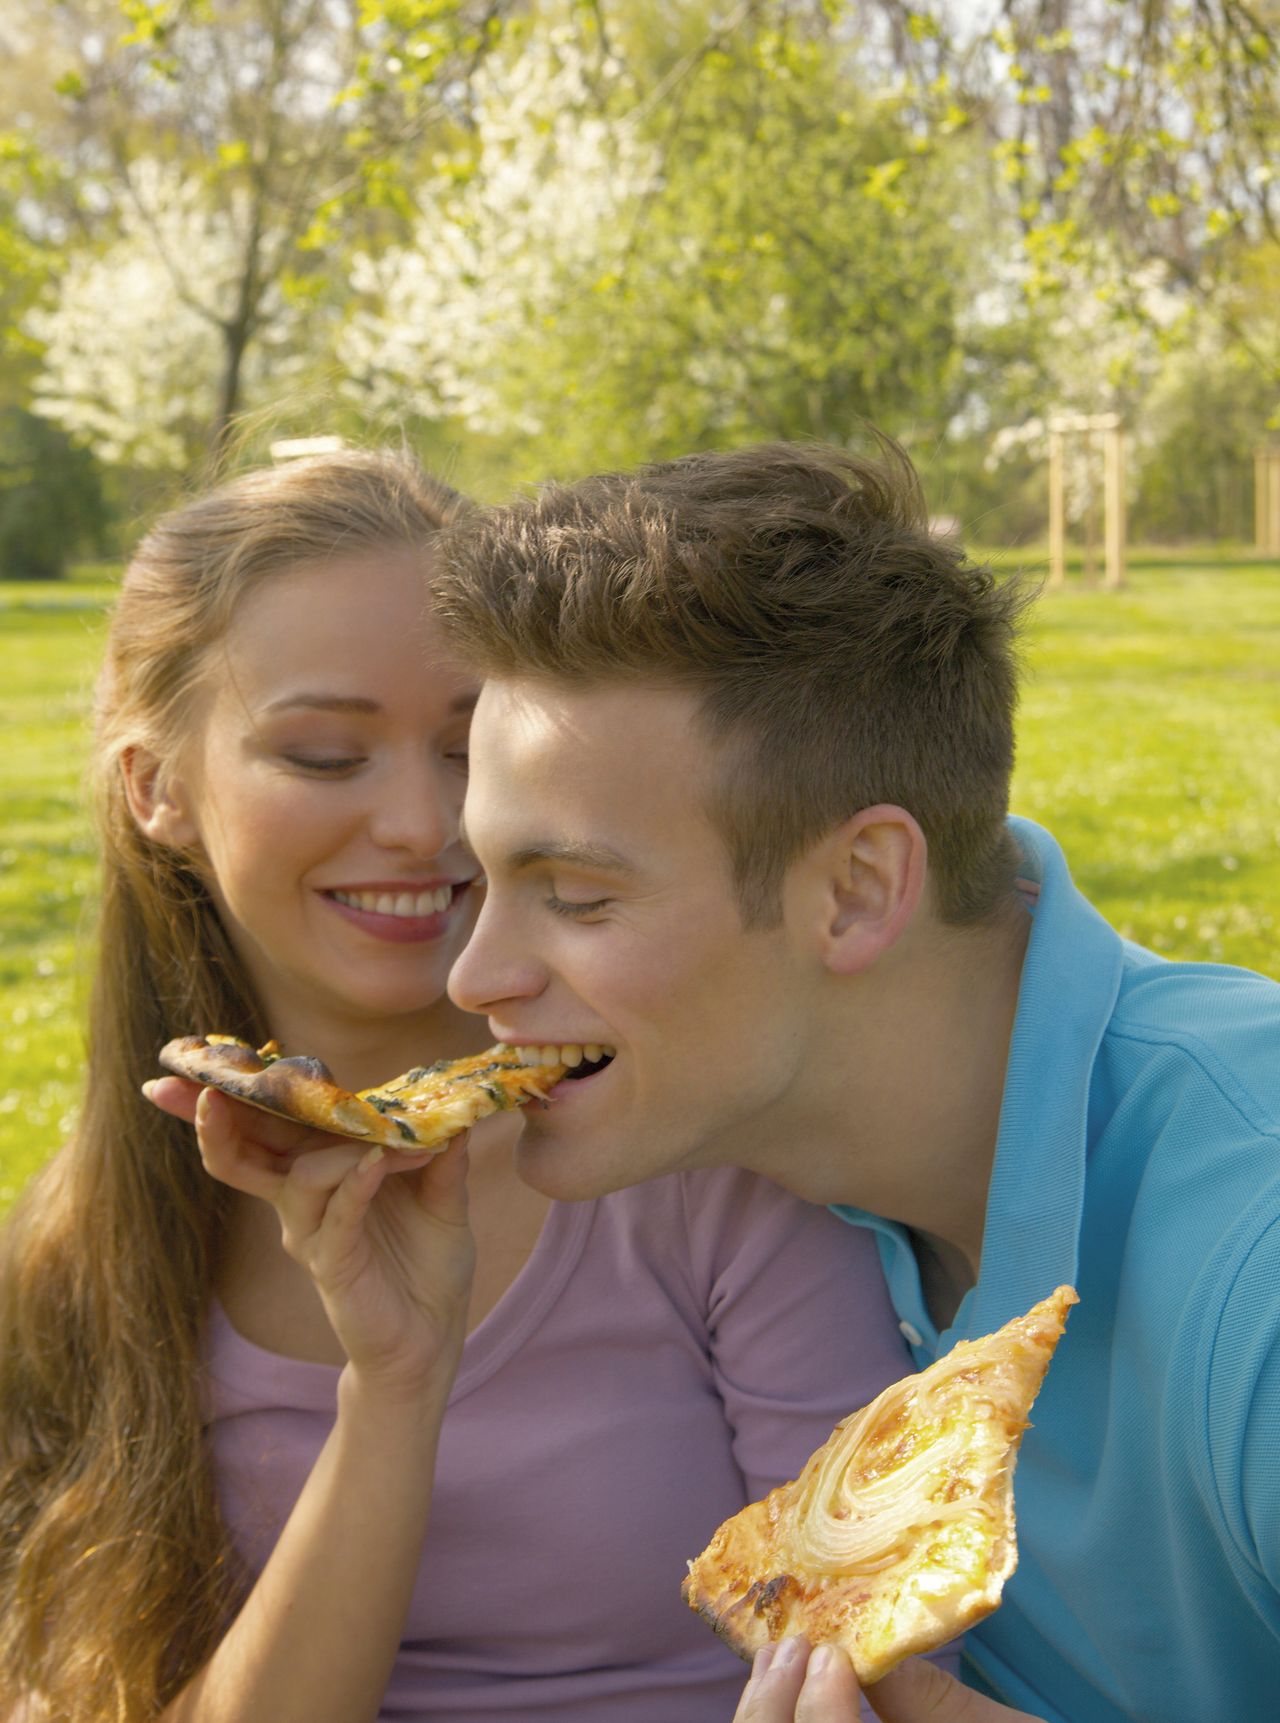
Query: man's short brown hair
{"x":841,"y":654}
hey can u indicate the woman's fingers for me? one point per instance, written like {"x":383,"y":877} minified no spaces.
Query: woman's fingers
{"x":176,"y":1095}
{"x":330,"y":1189}
{"x":253,"y":1151}
{"x":230,"y":1154}
{"x":441,"y":1188}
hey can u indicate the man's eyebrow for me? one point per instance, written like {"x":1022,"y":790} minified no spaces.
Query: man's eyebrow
{"x":599,"y":858}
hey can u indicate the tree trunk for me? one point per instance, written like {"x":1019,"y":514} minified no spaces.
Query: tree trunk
{"x":235,"y":341}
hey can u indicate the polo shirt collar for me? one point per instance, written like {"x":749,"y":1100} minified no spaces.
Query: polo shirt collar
{"x":1070,"y":980}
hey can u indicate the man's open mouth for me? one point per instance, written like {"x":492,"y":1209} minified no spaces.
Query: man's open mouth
{"x":579,"y":1060}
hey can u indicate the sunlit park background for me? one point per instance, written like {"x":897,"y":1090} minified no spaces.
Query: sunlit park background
{"x":543,"y":237}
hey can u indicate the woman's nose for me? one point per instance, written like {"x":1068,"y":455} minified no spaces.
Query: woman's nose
{"x":417,"y":812}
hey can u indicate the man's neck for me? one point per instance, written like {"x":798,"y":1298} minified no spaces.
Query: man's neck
{"x":946,"y":1274}
{"x":907,"y":1092}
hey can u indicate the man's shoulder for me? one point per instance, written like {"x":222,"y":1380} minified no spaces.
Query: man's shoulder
{"x":1211,"y":1028}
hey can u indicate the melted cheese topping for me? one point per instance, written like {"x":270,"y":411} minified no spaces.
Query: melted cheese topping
{"x":924,"y":1453}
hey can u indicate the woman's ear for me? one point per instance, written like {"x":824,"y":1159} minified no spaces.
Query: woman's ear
{"x":873,"y":877}
{"x":157,"y":800}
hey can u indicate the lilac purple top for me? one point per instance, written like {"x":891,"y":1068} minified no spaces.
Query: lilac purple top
{"x":666,"y":1355}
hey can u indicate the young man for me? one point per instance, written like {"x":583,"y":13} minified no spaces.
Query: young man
{"x":739,"y":785}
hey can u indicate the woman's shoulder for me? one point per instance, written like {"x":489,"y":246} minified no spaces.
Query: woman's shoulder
{"x":722,"y":1217}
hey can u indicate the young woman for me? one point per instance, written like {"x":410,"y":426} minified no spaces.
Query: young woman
{"x":300,"y":1440}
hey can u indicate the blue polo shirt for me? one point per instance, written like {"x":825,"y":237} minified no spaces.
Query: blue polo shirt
{"x":1138,"y":1159}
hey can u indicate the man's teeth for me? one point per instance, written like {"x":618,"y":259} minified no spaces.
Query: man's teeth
{"x":398,"y":902}
{"x":571,"y":1054}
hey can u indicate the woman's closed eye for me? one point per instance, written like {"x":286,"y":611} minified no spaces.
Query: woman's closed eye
{"x":331,"y":765}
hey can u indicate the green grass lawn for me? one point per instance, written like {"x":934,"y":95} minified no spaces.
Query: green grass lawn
{"x":1150,"y":743}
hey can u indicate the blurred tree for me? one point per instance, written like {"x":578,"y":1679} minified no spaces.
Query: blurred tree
{"x":800,"y":264}
{"x":680,"y":231}
{"x":510,"y":230}
{"x":1128,"y":135}
{"x":223,"y":154}
{"x":1201,"y":422}
{"x":555,"y":234}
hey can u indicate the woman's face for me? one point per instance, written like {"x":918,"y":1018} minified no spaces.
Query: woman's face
{"x":323,"y":783}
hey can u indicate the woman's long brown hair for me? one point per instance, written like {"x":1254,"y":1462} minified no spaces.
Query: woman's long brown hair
{"x":116,"y":1577}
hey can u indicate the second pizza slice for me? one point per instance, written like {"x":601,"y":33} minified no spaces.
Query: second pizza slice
{"x":899,"y":1532}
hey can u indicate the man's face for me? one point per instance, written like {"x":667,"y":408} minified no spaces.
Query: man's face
{"x":610,"y":918}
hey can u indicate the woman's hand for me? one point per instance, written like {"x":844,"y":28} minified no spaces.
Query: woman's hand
{"x":392,"y":1257}
{"x":790,"y":1684}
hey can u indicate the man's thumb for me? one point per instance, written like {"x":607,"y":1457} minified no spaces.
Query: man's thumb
{"x":917,"y":1691}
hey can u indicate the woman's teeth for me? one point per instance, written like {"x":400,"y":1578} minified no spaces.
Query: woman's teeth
{"x":398,"y":902}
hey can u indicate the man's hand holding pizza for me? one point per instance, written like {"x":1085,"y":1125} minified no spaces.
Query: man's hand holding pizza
{"x":791,"y":1684}
{"x":392,"y":1257}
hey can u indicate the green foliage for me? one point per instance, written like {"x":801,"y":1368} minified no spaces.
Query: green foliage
{"x":1154,"y":129}
{"x":797,"y":264}
{"x":26,"y":261}
{"x":51,"y":501}
{"x":1205,"y":424}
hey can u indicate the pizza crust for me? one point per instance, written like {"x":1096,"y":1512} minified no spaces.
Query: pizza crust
{"x":421,"y":1110}
{"x":899,"y":1532}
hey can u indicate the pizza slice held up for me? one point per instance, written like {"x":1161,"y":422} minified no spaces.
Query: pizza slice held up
{"x":417,"y":1112}
{"x":899,"y":1532}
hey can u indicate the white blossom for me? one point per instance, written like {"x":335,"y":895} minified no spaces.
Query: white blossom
{"x":132,"y":349}
{"x":444,"y":325}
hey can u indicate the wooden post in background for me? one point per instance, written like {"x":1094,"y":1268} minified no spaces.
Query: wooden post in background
{"x":1083,"y":425}
{"x":1266,"y":498}
{"x":1057,"y":510}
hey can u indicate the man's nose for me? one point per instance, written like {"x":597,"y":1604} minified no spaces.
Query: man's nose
{"x":495,"y":967}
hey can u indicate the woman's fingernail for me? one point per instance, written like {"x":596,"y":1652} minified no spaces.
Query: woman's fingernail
{"x":763,"y":1658}
{"x":790,"y":1651}
{"x":824,"y":1660}
{"x":370,"y":1158}
{"x":148,"y":1088}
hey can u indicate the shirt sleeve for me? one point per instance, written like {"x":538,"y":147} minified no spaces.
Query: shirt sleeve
{"x":802,"y":1329}
{"x":800,"y":1325}
{"x":1244,"y":1407}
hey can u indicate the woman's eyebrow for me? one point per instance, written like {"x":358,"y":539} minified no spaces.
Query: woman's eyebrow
{"x":320,"y":702}
{"x":323,"y":702}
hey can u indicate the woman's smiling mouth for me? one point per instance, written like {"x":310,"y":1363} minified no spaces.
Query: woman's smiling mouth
{"x":428,"y":901}
{"x":398,"y":913}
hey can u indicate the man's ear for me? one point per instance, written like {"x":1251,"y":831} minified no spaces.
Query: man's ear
{"x":871,"y":875}
{"x":157,"y":800}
